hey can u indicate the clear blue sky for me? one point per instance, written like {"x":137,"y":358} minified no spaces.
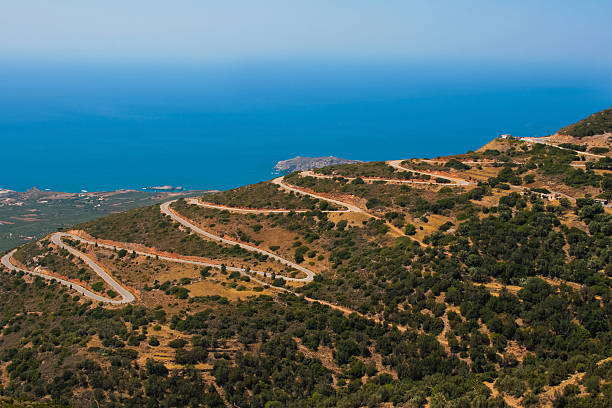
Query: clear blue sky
{"x":189,"y":31}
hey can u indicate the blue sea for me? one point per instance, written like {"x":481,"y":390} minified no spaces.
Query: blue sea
{"x":72,"y":127}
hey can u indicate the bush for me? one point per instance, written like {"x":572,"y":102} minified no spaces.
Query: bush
{"x":446,"y":226}
{"x":572,"y":146}
{"x":456,"y":164}
{"x":410,"y":229}
{"x":599,"y":150}
{"x":177,"y":343}
{"x":98,"y":286}
{"x":204,"y":273}
{"x":299,"y":253}
{"x":605,"y":163}
{"x":179,"y":292}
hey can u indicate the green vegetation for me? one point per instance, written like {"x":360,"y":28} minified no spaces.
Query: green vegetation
{"x":370,"y":169}
{"x":44,"y":212}
{"x":148,"y":226}
{"x":47,"y":354}
{"x":483,"y":290}
{"x":59,"y":261}
{"x":265,"y":195}
{"x":572,"y":146}
{"x":596,"y":124}
{"x":605,"y":163}
{"x":599,"y":150}
{"x":553,"y":164}
{"x":20,"y":403}
{"x":457,"y":165}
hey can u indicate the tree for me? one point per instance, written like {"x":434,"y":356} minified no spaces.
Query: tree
{"x":410,"y":229}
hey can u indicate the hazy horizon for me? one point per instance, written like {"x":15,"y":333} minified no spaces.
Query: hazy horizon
{"x":190,"y":31}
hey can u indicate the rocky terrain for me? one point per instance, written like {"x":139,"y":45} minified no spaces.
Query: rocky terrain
{"x":300,"y":163}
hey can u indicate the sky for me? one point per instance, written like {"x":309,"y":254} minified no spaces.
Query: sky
{"x":202,"y":31}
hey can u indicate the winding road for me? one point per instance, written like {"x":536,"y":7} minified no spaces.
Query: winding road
{"x":165,"y":209}
{"x":200,"y":203}
{"x":545,"y":141}
{"x":56,"y":238}
{"x":127,"y":296}
{"x":280,"y":181}
{"x":397,"y":164}
{"x":350,"y":207}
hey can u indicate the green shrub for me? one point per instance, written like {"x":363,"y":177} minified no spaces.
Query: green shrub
{"x":177,"y":343}
{"x":410,"y":229}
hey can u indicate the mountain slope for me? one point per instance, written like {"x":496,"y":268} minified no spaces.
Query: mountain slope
{"x":597,"y":124}
{"x":480,"y":279}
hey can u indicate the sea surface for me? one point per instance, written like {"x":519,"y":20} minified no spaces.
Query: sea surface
{"x":73,"y":127}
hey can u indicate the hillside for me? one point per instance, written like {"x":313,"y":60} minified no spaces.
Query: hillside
{"x":32,"y":214}
{"x":476,"y":280}
{"x":597,"y":124}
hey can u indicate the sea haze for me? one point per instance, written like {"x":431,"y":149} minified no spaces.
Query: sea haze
{"x":92,"y":127}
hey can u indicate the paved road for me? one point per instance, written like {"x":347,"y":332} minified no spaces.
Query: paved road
{"x":200,"y":203}
{"x":6,"y":261}
{"x":309,"y":173}
{"x":165,"y":208}
{"x":546,"y":142}
{"x":279,"y":181}
{"x":126,"y":296}
{"x":350,"y":207}
{"x":397,"y":164}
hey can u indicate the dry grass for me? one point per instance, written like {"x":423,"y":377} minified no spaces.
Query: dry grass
{"x":434,"y":221}
{"x":517,"y":350}
{"x":140,"y":271}
{"x":269,"y":235}
{"x":163,"y":353}
{"x":353,"y":218}
{"x":508,"y":399}
{"x":323,"y":353}
{"x":208,"y":287}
